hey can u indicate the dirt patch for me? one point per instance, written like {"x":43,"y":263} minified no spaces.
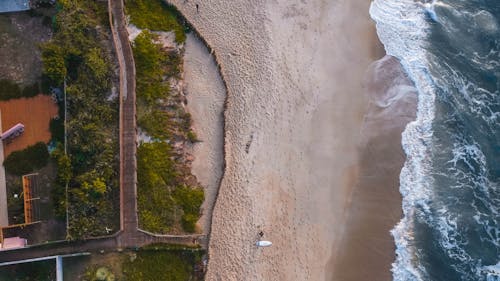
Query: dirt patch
{"x":35,"y":113}
{"x":20,"y":35}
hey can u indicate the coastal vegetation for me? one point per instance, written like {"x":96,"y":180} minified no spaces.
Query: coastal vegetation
{"x":163,"y":265}
{"x":156,"y":262}
{"x":79,"y":56}
{"x":156,"y":15}
{"x":169,"y":197}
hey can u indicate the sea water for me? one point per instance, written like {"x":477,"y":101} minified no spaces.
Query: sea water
{"x":450,"y":182}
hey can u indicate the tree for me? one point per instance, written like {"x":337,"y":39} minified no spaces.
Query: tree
{"x":94,"y":60}
{"x":53,"y":62}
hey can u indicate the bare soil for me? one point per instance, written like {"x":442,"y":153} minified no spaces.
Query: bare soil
{"x":20,"y":36}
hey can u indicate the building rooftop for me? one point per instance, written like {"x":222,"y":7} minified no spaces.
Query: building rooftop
{"x":14,"y":5}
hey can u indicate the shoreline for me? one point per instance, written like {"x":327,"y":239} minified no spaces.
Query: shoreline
{"x":294,"y":117}
{"x":376,"y":201}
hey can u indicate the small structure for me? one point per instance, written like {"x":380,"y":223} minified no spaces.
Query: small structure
{"x":8,"y":6}
{"x":13,"y":132}
{"x":31,"y":198}
{"x":13,"y":243}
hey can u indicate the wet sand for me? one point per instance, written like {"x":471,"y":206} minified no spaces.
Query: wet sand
{"x":296,"y":137}
{"x":367,"y":249}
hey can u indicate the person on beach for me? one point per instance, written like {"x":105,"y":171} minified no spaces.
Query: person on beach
{"x":197,"y":8}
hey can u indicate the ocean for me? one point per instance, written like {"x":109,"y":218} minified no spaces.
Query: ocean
{"x":450,"y":182}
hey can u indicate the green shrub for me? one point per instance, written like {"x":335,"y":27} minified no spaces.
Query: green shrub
{"x":54,"y":65}
{"x":155,"y":176}
{"x":189,"y":222}
{"x":192,"y":136}
{"x":154,"y":123}
{"x":27,"y":160}
{"x":148,"y":61}
{"x":56,"y":127}
{"x":31,"y":90}
{"x":155,"y":15}
{"x":9,"y":90}
{"x":159,"y":266}
{"x":77,"y":52}
{"x":190,"y":200}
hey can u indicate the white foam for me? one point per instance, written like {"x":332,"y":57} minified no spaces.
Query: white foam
{"x":403,"y":30}
{"x":492,"y":272}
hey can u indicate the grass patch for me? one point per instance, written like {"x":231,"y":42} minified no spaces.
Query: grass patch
{"x":155,"y":15}
{"x":33,"y":271}
{"x":151,"y":265}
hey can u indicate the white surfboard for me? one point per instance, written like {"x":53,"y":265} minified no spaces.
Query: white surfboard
{"x":263,"y":243}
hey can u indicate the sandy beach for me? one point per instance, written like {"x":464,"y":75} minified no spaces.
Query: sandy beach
{"x":298,"y":125}
{"x":205,"y":94}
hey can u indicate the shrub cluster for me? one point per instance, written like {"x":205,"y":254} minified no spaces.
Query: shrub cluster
{"x":162,"y":265}
{"x":27,"y":160}
{"x":11,"y":90}
{"x":156,"y":15}
{"x":164,"y":201}
{"x":76,"y":53}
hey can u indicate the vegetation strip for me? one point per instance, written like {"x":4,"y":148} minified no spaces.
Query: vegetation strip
{"x":169,"y":197}
{"x":78,"y":53}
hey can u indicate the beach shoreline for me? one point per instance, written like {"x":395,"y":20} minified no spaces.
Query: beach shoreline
{"x":294,"y":134}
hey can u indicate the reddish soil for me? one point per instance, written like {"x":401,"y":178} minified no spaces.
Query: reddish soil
{"x":35,"y":113}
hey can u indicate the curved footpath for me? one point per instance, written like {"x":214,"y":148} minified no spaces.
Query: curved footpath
{"x":298,"y":132}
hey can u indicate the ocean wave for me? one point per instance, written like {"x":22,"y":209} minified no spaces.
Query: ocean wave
{"x":450,"y":179}
{"x":403,"y":29}
{"x":492,"y":272}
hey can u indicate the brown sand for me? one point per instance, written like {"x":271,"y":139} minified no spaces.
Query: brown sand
{"x":295,"y":135}
{"x":35,"y":113}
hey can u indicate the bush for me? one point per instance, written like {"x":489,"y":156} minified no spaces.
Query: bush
{"x":189,"y":222}
{"x":155,"y":15}
{"x":154,"y":124}
{"x":190,"y":200}
{"x":9,"y":90}
{"x":25,"y":161}
{"x":78,"y":53}
{"x":155,"y":176}
{"x":54,"y":65}
{"x":56,"y":127}
{"x":159,"y":266}
{"x":31,"y":90}
{"x":192,"y":136}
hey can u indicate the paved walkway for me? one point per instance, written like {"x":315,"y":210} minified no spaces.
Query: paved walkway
{"x":128,"y":133}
